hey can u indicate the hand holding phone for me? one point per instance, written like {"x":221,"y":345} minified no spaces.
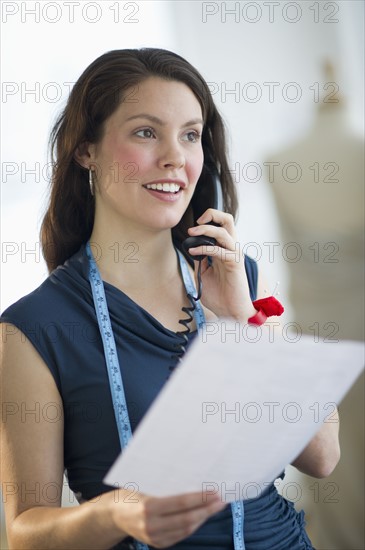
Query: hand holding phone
{"x":202,"y":240}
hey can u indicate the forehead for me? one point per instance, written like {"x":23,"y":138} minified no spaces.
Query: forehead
{"x":161,"y":98}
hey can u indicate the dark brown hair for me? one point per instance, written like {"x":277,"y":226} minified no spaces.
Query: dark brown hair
{"x":69,"y":218}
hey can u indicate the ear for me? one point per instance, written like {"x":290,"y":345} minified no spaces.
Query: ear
{"x":84,"y":154}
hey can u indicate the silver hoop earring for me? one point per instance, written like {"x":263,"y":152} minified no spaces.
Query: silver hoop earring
{"x":91,"y":182}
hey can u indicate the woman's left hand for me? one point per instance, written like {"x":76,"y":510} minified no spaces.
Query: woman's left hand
{"x":225,"y":289}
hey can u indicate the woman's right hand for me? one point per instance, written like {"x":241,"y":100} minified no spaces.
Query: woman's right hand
{"x":162,"y":521}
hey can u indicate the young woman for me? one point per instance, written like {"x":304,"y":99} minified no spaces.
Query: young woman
{"x":134,"y":144}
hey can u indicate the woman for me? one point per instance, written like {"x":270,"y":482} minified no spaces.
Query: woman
{"x":132,"y":148}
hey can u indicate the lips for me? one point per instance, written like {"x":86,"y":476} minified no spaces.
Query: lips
{"x":165,"y":187}
{"x":160,"y":185}
{"x":163,"y":191}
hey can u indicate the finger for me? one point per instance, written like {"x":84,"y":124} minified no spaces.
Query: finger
{"x":220,"y":234}
{"x":180,"y":503}
{"x":228,"y":256}
{"x":222,"y":218}
{"x":198,"y":514}
{"x":183,"y":524}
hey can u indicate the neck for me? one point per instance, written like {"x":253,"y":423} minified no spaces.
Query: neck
{"x":134,"y":257}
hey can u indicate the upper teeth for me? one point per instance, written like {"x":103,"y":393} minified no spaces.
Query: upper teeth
{"x":168,"y":187}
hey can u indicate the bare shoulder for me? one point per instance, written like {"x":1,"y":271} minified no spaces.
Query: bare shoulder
{"x":32,"y":425}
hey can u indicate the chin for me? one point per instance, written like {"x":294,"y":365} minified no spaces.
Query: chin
{"x":166,"y":222}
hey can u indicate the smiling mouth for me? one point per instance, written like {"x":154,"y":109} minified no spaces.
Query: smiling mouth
{"x":164,"y":187}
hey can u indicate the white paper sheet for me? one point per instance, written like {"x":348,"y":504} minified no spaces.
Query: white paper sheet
{"x":240,"y":407}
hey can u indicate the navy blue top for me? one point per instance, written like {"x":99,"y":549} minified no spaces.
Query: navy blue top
{"x":60,"y":321}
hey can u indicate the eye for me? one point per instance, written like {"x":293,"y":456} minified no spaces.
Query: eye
{"x":193,"y":136}
{"x":146,"y":133}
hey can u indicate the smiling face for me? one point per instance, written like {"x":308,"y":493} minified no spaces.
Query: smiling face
{"x":150,"y":157}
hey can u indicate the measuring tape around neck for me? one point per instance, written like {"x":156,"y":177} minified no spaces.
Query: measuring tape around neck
{"x":115,"y":377}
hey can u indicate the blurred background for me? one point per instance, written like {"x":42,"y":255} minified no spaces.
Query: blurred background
{"x":288,"y":78}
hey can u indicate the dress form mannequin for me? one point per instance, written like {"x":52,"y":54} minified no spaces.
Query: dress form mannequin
{"x":325,"y":219}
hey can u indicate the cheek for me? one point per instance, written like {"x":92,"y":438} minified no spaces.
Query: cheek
{"x":195,"y":168}
{"x":134,"y":160}
{"x":123,"y":158}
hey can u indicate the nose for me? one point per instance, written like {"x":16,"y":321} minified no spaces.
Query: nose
{"x":172,"y":156}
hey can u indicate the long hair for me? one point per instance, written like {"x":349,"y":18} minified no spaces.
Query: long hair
{"x":96,"y":95}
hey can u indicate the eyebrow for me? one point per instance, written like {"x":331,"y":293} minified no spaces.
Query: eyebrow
{"x":160,"y":122}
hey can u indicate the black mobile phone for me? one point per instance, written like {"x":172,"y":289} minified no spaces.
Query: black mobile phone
{"x":207,"y":195}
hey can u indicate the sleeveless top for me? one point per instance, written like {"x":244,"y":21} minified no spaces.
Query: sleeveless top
{"x":60,"y":321}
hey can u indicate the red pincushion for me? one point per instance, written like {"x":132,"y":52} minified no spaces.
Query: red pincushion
{"x":270,"y":306}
